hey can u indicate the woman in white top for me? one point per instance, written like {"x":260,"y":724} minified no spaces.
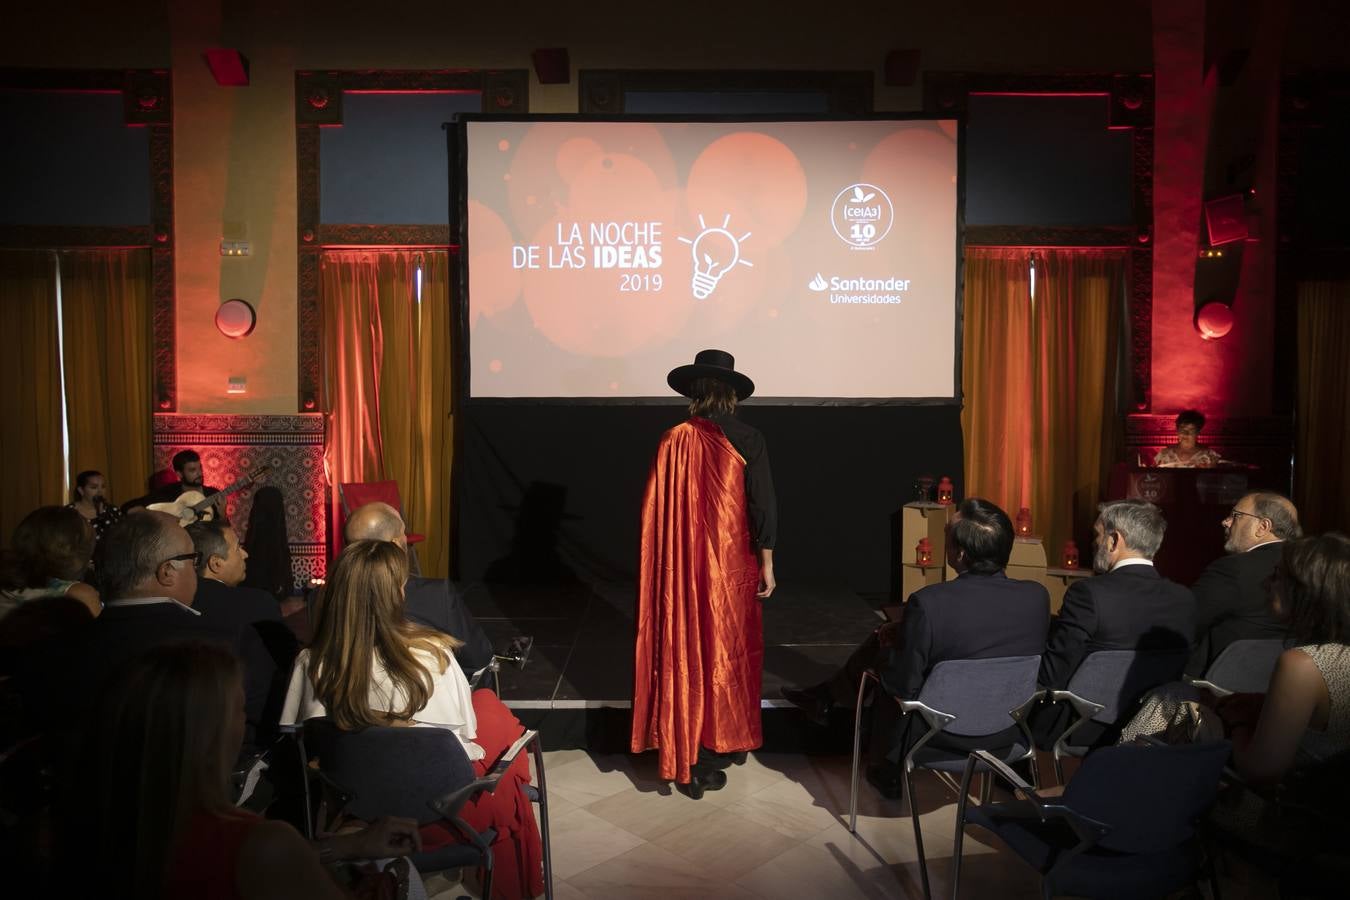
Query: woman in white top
{"x":412,"y":679}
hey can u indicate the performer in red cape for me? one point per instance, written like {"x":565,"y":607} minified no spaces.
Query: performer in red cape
{"x":709,"y":519}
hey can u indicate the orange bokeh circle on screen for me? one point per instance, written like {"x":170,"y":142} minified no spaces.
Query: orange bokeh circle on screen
{"x":498,"y":284}
{"x":764,"y":176}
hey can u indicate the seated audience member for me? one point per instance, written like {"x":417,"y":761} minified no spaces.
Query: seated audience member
{"x":1231,"y":597}
{"x":248,"y":617}
{"x":432,"y":602}
{"x":981,"y":614}
{"x":411,"y":679}
{"x":1187,"y":453}
{"x":92,"y":502}
{"x":48,"y":555}
{"x":33,"y":624}
{"x":148,"y":805}
{"x":1127,"y":606}
{"x":269,"y":549}
{"x":1299,"y":730}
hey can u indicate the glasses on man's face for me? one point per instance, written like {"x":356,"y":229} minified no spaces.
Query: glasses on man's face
{"x":1233,"y":515}
{"x":195,"y":556}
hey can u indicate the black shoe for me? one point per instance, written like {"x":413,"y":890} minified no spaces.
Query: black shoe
{"x":702,"y":779}
{"x":887,"y":780}
{"x":815,"y":703}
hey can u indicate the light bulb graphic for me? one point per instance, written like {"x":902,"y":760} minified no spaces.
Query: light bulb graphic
{"x":716,"y":251}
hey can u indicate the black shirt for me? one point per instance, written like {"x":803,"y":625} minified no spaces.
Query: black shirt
{"x":761,"y":502}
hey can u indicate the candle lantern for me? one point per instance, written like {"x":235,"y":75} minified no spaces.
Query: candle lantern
{"x":1070,"y":555}
{"x":945,"y":491}
{"x":923,"y":484}
{"x":923,"y":553}
{"x":1024,"y":522}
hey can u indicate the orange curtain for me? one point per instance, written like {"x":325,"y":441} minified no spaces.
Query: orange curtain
{"x":31,"y":454}
{"x":1041,"y":419}
{"x":387,"y":384}
{"x":1321,"y":461}
{"x":105,"y":314}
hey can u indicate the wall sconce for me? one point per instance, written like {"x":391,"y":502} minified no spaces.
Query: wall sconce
{"x":945,"y":491}
{"x":1214,"y":320}
{"x":236,"y":318}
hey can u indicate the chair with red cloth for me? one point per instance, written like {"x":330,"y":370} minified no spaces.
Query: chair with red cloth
{"x":356,"y":494}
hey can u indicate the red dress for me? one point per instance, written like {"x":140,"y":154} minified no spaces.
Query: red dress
{"x":700,"y":643}
{"x":517,"y":854}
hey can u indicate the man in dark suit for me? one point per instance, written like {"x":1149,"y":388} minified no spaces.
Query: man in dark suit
{"x":249,"y":618}
{"x":433,"y":602}
{"x":1127,"y":606}
{"x":1231,"y":600}
{"x":982,"y":614}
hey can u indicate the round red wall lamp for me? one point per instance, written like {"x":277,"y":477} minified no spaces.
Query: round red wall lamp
{"x":1214,"y":320}
{"x":236,"y":318}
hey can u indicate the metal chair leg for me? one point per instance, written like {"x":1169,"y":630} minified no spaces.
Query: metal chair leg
{"x":1059,"y":771}
{"x":918,"y":832}
{"x":542,"y":788}
{"x":962,"y":800}
{"x":986,"y":786}
{"x":869,"y":675}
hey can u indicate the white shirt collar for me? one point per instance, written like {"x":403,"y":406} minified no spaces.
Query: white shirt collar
{"x":1132,"y":561}
{"x":151,"y":601}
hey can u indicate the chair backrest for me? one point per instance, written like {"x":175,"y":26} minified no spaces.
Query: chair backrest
{"x":980,"y":692}
{"x":390,"y":771}
{"x":1150,"y":795}
{"x":1118,"y":678}
{"x":1245,"y":667}
{"x":356,"y":494}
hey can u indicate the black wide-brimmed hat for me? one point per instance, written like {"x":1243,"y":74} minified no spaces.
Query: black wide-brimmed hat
{"x":711,"y":364}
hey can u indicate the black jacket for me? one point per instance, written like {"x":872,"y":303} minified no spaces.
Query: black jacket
{"x":1232,"y":604}
{"x":435,"y":603}
{"x":251,"y":620}
{"x":972,"y":617}
{"x":1130,"y":608}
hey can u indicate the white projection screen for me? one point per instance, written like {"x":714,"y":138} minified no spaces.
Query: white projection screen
{"x":821,"y":254}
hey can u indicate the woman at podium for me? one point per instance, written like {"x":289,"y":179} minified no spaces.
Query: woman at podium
{"x":1187,"y":453}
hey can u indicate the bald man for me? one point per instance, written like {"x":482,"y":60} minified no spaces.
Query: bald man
{"x":433,"y":602}
{"x":1231,"y":599}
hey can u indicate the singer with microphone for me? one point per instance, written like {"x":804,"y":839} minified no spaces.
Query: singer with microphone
{"x":92,"y":503}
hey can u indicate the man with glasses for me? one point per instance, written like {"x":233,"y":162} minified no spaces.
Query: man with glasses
{"x":1231,"y":602}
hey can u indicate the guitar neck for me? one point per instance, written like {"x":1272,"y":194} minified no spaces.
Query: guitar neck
{"x":227,"y":491}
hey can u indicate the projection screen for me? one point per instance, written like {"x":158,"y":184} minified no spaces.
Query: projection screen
{"x":822,"y":254}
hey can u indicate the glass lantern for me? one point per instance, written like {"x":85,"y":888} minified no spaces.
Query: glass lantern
{"x":946,"y":490}
{"x":1023,"y":523}
{"x":923,"y":553}
{"x":1070,"y":555}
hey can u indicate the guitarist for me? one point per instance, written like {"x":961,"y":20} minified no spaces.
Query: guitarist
{"x":188,"y":466}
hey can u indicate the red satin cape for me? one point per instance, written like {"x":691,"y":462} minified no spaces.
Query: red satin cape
{"x":700,"y":641}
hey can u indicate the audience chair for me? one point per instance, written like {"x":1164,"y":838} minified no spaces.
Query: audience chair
{"x":966,"y":698}
{"x":1124,"y":827}
{"x":422,"y":774}
{"x":1106,"y":688}
{"x":1244,"y":667}
{"x":356,"y":494}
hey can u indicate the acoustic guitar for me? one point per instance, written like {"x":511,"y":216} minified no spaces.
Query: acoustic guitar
{"x":194,"y":506}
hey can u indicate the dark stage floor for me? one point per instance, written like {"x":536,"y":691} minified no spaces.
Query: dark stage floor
{"x":583,"y":648}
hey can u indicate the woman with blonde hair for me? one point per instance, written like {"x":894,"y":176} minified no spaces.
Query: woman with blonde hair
{"x":151,"y":779}
{"x":412,"y":680}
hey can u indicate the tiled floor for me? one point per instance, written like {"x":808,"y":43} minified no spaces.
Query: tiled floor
{"x":777,"y":830}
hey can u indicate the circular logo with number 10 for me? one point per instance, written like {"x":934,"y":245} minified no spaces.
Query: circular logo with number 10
{"x":862,"y":215}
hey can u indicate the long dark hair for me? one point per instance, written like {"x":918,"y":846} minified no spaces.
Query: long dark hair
{"x":152,"y":755}
{"x":1313,"y":581}
{"x":269,"y":553}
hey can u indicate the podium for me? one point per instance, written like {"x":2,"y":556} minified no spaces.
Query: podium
{"x":1194,"y":501}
